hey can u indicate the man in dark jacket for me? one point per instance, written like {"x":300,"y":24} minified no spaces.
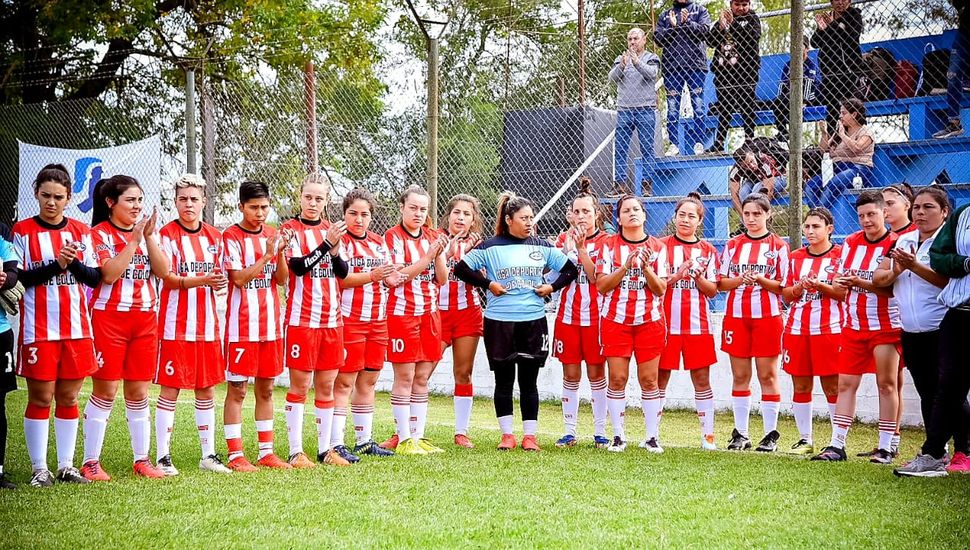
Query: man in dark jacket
{"x":735,"y":38}
{"x":811,"y":82}
{"x":839,"y":56}
{"x":958,"y":73}
{"x":682,"y":33}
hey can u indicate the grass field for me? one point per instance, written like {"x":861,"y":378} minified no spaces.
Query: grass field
{"x":577,"y":497}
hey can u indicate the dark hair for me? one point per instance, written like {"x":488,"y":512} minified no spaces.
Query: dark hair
{"x":939,"y":196}
{"x":625,"y":197}
{"x":823,"y":213}
{"x":415,"y":189}
{"x":759,"y":199}
{"x":586,"y":192}
{"x":358,"y":194}
{"x":692,"y":198}
{"x":250,"y":190}
{"x":871,"y":196}
{"x":508,"y":204}
{"x":857,"y":108}
{"x":56,"y":173}
{"x":111,"y":188}
{"x":905,"y":191}
{"x":476,"y":225}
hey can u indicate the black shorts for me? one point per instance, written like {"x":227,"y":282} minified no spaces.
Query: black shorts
{"x":8,"y":374}
{"x":507,"y":340}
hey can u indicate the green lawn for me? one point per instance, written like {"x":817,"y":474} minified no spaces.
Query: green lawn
{"x":576,"y":497}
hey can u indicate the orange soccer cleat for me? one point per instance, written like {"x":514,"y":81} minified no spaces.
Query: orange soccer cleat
{"x":301,"y":461}
{"x":529,"y":443}
{"x":508,"y":442}
{"x":390,"y":443}
{"x":145,"y":468}
{"x":273,"y":461}
{"x":241,"y":464}
{"x":461,"y":440}
{"x":92,"y":470}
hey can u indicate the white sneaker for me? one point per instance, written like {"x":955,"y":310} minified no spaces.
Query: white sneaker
{"x":652,"y":445}
{"x":672,"y":151}
{"x":618,"y":445}
{"x":707,"y":443}
{"x":165,"y":465}
{"x":212,"y":463}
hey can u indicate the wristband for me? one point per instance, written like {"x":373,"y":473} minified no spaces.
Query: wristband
{"x":966,"y":265}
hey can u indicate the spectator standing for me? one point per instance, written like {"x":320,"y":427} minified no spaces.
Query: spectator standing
{"x":956,"y":75}
{"x":735,"y":37}
{"x":839,"y":56}
{"x":811,"y":84}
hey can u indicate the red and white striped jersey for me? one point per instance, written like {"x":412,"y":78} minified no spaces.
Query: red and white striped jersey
{"x":363,"y":254}
{"x":137,"y":288}
{"x":864,"y":310}
{"x":57,"y":309}
{"x":189,"y":314}
{"x":768,"y":256}
{"x":419,"y":295}
{"x":457,"y":295}
{"x":580,"y":302}
{"x":631,"y":302}
{"x":253,"y":311}
{"x":686,"y":308}
{"x":314,"y":298}
{"x":814,"y":313}
{"x":908,"y":228}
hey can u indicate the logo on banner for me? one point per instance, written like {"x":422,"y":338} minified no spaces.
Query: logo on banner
{"x":87,"y":172}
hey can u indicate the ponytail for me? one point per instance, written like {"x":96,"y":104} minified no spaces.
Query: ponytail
{"x":586,"y":192}
{"x":111,"y":188}
{"x":508,"y":204}
{"x":692,"y":198}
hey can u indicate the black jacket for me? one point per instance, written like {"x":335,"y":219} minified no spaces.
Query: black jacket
{"x":839,"y":52}
{"x":743,"y":36}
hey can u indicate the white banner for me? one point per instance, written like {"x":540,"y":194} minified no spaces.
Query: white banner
{"x":140,"y":160}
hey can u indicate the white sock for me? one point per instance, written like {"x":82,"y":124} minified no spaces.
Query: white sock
{"x":205,"y":422}
{"x":293,"y":412}
{"x":338,"y":426}
{"x":36,"y":432}
{"x":363,"y":422}
{"x":463,"y":407}
{"x":704,"y":403}
{"x":234,"y":442}
{"x":164,"y":424}
{"x":323,"y":411}
{"x":803,"y":419}
{"x":663,"y":406}
{"x":96,"y":414}
{"x":894,"y":443}
{"x":769,"y":412}
{"x":139,"y":427}
{"x":886,"y":430}
{"x":742,"y":410}
{"x":530,"y":427}
{"x":840,"y":430}
{"x":65,"y":434}
{"x":600,"y":410}
{"x":570,"y":406}
{"x":831,"y":410}
{"x":616,"y":401}
{"x":419,"y":414}
{"x":652,"y":406}
{"x":505,"y":424}
{"x":264,"y":433}
{"x":401,"y":409}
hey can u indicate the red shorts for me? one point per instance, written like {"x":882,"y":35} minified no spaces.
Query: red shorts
{"x":697,"y":350}
{"x":414,"y":339}
{"x":752,"y":337}
{"x":811,"y":355}
{"x":857,"y":347}
{"x":459,"y":323}
{"x":57,"y":360}
{"x":313,"y":349}
{"x":646,"y":341}
{"x":190,"y":365}
{"x":254,"y":359}
{"x":573,"y":344}
{"x":366,"y":345}
{"x":125,"y":344}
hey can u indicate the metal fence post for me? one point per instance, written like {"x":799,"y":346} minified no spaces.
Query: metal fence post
{"x":190,"y":147}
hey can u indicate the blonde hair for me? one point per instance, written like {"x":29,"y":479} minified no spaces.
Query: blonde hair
{"x":190,"y":180}
{"x":316,"y":177}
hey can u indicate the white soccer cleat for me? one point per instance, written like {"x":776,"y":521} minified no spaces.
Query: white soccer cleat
{"x":212,"y":463}
{"x":707,"y":443}
{"x":652,"y":445}
{"x":618,"y":445}
{"x":165,"y":466}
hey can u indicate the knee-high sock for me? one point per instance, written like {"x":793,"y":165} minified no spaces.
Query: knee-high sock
{"x":234,"y":442}
{"x":323,"y":410}
{"x":96,"y":414}
{"x":338,"y":426}
{"x":205,"y":422}
{"x":36,"y":428}
{"x":616,"y":401}
{"x":363,"y":422}
{"x":741,"y":400}
{"x":600,"y":409}
{"x":293,"y":411}
{"x":139,"y":427}
{"x":419,"y":414}
{"x":164,"y":425}
{"x":704,"y":403}
{"x":265,"y":436}
{"x":770,"y":403}
{"x":840,"y":430}
{"x":65,"y":434}
{"x":570,"y":405}
{"x":401,"y":408}
{"x":802,"y":407}
{"x":652,"y":404}
{"x":463,"y":407}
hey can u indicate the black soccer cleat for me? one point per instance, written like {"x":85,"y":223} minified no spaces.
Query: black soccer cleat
{"x":831,"y":454}
{"x":5,"y":482}
{"x":71,"y":475}
{"x":769,"y":443}
{"x":738,"y":441}
{"x":881,"y":456}
{"x":373,"y":449}
{"x":344,"y":453}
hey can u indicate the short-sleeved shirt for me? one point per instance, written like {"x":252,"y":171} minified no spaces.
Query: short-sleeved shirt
{"x":631,"y":302}
{"x":579,"y":301}
{"x":814,"y":313}
{"x":419,"y":296}
{"x":253,"y":311}
{"x":919,"y":308}
{"x":518,"y":265}
{"x":190,"y":314}
{"x":364,"y":254}
{"x":136,"y":289}
{"x":865,"y":310}
{"x":688,"y":309}
{"x":766,"y":255}
{"x":7,"y":254}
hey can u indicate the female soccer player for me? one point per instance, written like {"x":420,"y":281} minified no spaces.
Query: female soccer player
{"x":254,"y":257}
{"x":413,"y":324}
{"x":56,"y":353}
{"x":191,"y":355}
{"x":693,"y":264}
{"x":460,"y":307}
{"x":870,"y":329}
{"x":8,"y":379}
{"x":314,"y":327}
{"x":577,"y":332}
{"x":516,"y":331}
{"x":814,"y":327}
{"x":124,"y":320}
{"x":363,"y":303}
{"x":631,"y":273}
{"x":752,"y":268}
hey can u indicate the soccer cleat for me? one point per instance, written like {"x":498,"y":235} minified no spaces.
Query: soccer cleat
{"x":391,"y":442}
{"x":166,"y":466}
{"x":273,"y":461}
{"x":960,"y":463}
{"x":5,"y":482}
{"x":529,"y":443}
{"x":301,"y":461}
{"x":566,"y":441}
{"x":461,"y":440}
{"x":372,"y":448}
{"x":345,"y":454}
{"x":145,"y":468}
{"x":923,"y":466}
{"x":212,"y":463}
{"x":707,"y":443}
{"x":42,"y":478}
{"x":952,"y":129}
{"x":92,"y":470}
{"x":507,"y":443}
{"x":410,"y":447}
{"x":71,"y":475}
{"x":881,"y":456}
{"x":769,"y":443}
{"x":738,"y":441}
{"x":428,"y":446}
{"x":242,"y":464}
{"x":831,"y":454}
{"x":600,"y":442}
{"x":652,"y":445}
{"x":868,"y":454}
{"x":332,"y":458}
{"x":802,"y":447}
{"x":618,"y":445}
